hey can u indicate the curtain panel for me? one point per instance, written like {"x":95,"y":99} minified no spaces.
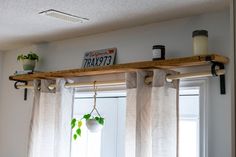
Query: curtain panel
{"x":151,"y":115}
{"x":50,"y":132}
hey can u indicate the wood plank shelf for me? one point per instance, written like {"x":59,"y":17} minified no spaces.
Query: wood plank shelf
{"x":121,"y":68}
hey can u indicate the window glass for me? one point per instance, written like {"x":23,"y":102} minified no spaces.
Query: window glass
{"x":189,"y":122}
{"x":110,"y":141}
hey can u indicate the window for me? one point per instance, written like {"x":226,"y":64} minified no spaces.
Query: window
{"x":192,"y":123}
{"x":192,"y":120}
{"x":108,"y":142}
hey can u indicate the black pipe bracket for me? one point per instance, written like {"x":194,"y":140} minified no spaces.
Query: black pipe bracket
{"x":25,"y":90}
{"x":222,"y":77}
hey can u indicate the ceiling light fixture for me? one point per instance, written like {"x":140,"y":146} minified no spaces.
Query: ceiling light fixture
{"x":63,"y":16}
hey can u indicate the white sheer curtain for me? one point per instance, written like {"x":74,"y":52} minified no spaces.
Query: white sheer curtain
{"x":151,"y":115}
{"x":50,"y":131}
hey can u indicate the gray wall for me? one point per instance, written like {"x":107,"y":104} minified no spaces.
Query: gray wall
{"x":1,"y":65}
{"x":1,"y":72}
{"x":134,"y":44}
{"x":1,"y":68}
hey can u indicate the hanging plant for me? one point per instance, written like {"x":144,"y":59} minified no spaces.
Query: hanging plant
{"x":94,"y":123}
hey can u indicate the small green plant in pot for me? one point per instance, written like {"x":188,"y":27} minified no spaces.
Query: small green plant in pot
{"x":28,"y":61}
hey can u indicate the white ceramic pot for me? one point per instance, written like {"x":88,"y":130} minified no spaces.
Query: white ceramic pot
{"x":93,"y":125}
{"x":28,"y":64}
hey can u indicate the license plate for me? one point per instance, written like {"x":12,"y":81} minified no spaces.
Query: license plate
{"x":99,"y":58}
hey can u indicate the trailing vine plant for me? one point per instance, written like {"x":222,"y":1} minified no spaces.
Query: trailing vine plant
{"x":77,"y":123}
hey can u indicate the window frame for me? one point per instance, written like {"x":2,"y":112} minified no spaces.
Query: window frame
{"x":202,"y":84}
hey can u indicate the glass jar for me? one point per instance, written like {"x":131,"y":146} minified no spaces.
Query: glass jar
{"x":200,"y":42}
{"x":158,"y":52}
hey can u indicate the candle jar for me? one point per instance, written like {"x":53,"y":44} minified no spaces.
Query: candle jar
{"x":200,"y":42}
{"x":158,"y":52}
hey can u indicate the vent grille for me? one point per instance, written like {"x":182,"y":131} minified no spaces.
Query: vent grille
{"x":63,"y":16}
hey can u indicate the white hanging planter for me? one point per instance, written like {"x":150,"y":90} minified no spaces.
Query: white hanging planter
{"x":93,"y":125}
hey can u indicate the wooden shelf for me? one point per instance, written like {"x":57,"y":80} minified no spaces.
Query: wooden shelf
{"x":120,"y":68}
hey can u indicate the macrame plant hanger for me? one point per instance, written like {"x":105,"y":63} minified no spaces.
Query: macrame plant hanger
{"x":95,"y":100}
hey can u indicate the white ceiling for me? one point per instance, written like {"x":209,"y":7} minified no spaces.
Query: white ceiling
{"x":20,"y":23}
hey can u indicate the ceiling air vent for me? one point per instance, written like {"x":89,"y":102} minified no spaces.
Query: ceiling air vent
{"x":63,"y":16}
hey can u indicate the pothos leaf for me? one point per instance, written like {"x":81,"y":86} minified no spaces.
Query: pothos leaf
{"x":80,"y":123}
{"x":97,"y":118}
{"x":75,"y":136}
{"x":72,"y":126}
{"x":73,"y":121}
{"x":87,"y":116}
{"x":100,"y":120}
{"x":78,"y":131}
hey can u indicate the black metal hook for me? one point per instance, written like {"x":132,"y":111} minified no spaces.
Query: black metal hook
{"x":15,"y":85}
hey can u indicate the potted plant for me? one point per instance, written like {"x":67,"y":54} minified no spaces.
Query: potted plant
{"x":93,"y":123}
{"x":28,"y":61}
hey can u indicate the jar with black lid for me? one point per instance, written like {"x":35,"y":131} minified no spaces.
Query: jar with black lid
{"x":200,"y":42}
{"x":158,"y":52}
